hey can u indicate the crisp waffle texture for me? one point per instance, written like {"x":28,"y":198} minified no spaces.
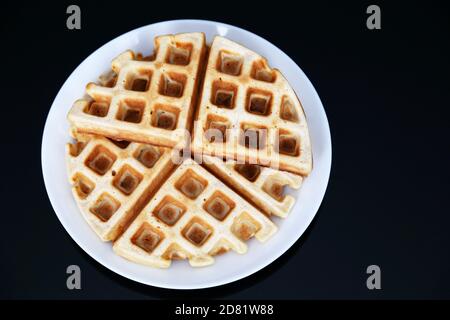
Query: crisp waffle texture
{"x":158,"y":207}
{"x":148,"y":100}
{"x":249,"y":112}
{"x":262,"y":186}
{"x":111,"y":182}
{"x":193,"y":216}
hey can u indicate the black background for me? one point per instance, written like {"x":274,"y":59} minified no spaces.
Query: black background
{"x":386,"y":96}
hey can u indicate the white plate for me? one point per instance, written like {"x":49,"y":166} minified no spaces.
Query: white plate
{"x":229,"y":267}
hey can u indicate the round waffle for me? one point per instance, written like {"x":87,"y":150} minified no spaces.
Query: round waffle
{"x":133,"y":186}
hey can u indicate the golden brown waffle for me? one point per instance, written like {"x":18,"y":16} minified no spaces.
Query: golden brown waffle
{"x":248,"y":111}
{"x":133,"y":194}
{"x":148,"y":100}
{"x":113,"y":180}
{"x":260,"y":185}
{"x":193,"y":216}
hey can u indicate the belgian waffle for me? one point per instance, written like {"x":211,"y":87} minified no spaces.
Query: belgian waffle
{"x":193,"y":216}
{"x":249,"y":112}
{"x":112,"y":180}
{"x":147,"y":100}
{"x":262,"y":186}
{"x":134,"y":194}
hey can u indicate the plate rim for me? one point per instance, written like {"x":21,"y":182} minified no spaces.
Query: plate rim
{"x":244,"y":273}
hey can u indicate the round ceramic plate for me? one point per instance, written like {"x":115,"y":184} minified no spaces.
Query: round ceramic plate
{"x":231,"y":266}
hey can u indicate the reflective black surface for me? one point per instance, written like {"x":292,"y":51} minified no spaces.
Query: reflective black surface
{"x":386,"y":96}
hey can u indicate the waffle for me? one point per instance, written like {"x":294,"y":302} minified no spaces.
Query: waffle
{"x":249,"y":112}
{"x":147,"y":100}
{"x":262,"y":186}
{"x":193,"y":216}
{"x":113,"y":180}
